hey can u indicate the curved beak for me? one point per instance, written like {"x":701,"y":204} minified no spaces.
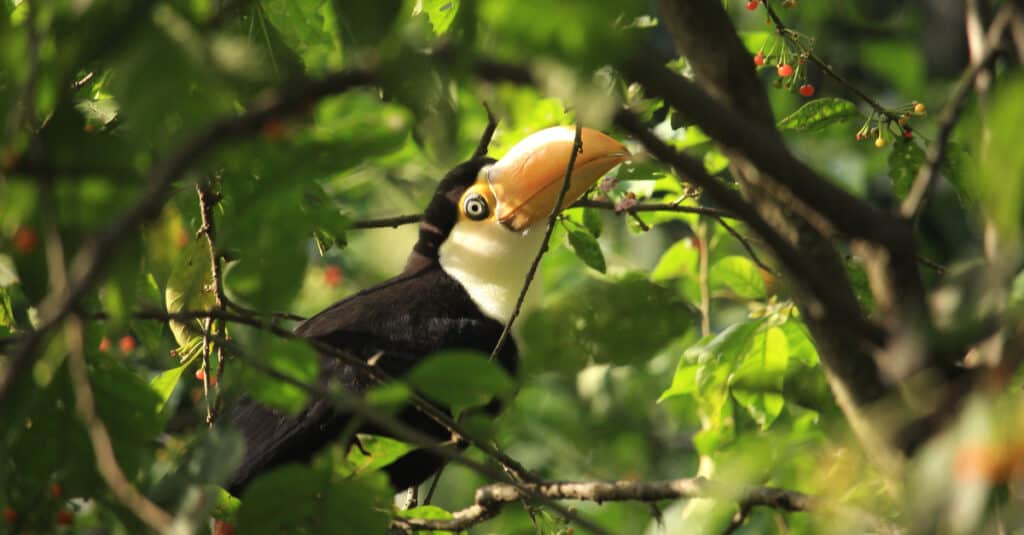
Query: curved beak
{"x":527,"y":180}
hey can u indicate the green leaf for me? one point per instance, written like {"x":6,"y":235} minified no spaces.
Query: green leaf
{"x":592,"y":221}
{"x":680,"y":260}
{"x":715,"y":162}
{"x":441,"y":13}
{"x":165,"y":382}
{"x":293,"y":358}
{"x":442,"y":377}
{"x":188,"y":289}
{"x":764,"y":364}
{"x":428,"y":512}
{"x":684,"y":381}
{"x":374,"y":452}
{"x":739,"y":274}
{"x":587,"y":249}
{"x":904,"y":161}
{"x":365,"y":24}
{"x":625,"y":321}
{"x":301,"y":499}
{"x":819,"y":113}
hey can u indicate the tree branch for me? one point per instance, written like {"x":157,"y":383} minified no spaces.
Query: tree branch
{"x":936,"y":152}
{"x":489,"y":499}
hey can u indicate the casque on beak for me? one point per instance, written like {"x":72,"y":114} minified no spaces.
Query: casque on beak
{"x":527,"y":180}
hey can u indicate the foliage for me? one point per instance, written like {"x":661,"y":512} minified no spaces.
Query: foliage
{"x":618,"y":378}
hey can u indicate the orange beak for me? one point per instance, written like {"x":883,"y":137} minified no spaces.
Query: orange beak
{"x":527,"y":180}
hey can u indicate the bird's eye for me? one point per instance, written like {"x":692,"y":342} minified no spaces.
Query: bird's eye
{"x":475,"y":207}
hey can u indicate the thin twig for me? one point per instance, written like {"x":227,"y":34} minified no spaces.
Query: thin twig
{"x":738,"y":519}
{"x":577,"y":146}
{"x":485,"y":138}
{"x":102,"y":446}
{"x":95,"y":255}
{"x":948,"y":117}
{"x":80,"y":83}
{"x":746,"y":245}
{"x":433,"y":487}
{"x":384,"y":222}
{"x":208,"y":199}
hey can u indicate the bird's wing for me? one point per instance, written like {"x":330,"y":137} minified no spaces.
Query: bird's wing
{"x":403,"y":320}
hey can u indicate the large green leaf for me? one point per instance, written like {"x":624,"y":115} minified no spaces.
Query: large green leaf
{"x":818,"y":114}
{"x":443,"y":378}
{"x":904,"y":161}
{"x":625,"y":321}
{"x":301,"y":499}
{"x":293,"y":358}
{"x":740,"y":275}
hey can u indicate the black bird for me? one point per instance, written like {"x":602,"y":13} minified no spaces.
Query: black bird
{"x":480,"y":233}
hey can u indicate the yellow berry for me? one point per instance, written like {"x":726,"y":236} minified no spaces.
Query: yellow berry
{"x":880,"y":142}
{"x":919,"y":108}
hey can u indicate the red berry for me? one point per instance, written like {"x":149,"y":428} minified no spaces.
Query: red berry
{"x":759,"y":59}
{"x":859,"y":136}
{"x":10,"y":515}
{"x":806,"y":90}
{"x":332,"y":275}
{"x":273,"y":130}
{"x":200,"y":375}
{"x":64,"y":517}
{"x":908,"y":133}
{"x":752,"y":4}
{"x":25,"y":239}
{"x":56,"y":490}
{"x":126,"y":343}
{"x":104,"y":344}
{"x":785,"y":70}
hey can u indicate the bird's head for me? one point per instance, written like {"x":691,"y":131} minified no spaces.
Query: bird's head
{"x":482,"y":222}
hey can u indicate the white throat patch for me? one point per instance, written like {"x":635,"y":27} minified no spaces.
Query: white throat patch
{"x":491,"y":262}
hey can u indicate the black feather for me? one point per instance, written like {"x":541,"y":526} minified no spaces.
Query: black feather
{"x":405,"y":319}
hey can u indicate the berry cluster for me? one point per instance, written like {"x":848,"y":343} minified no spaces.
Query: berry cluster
{"x":789,"y":64}
{"x":890,"y":124}
{"x":42,"y":517}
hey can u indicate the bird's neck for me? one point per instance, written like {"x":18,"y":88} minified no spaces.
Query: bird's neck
{"x":491,"y":263}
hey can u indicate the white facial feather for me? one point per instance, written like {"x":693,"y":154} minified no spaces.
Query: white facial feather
{"x":491,"y":262}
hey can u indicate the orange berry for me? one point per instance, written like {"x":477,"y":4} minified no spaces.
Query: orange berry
{"x":785,"y":70}
{"x":200,"y":375}
{"x":25,"y":239}
{"x":126,"y":344}
{"x":333,"y":275}
{"x":759,"y":59}
{"x":104,"y":344}
{"x":56,"y":490}
{"x":752,"y":4}
{"x":273,"y":130}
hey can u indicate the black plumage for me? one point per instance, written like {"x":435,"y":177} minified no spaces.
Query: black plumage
{"x":421,"y":311}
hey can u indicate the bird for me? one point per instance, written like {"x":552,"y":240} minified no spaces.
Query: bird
{"x":479,"y":235}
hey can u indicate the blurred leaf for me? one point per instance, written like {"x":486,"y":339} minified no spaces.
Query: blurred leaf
{"x":592,"y":221}
{"x":441,"y":378}
{"x":677,"y":261}
{"x":904,"y":161}
{"x":739,"y":274}
{"x":622,"y":322}
{"x":819,"y":113}
{"x":715,"y":162}
{"x":440,"y":12}
{"x":900,"y":62}
{"x":365,"y":24}
{"x":165,"y":382}
{"x":587,"y":249}
{"x":1000,"y":180}
{"x":312,"y":504}
{"x":291,"y":357}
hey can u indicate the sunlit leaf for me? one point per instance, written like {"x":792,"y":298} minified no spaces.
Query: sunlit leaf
{"x":818,"y":114}
{"x":442,"y":378}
